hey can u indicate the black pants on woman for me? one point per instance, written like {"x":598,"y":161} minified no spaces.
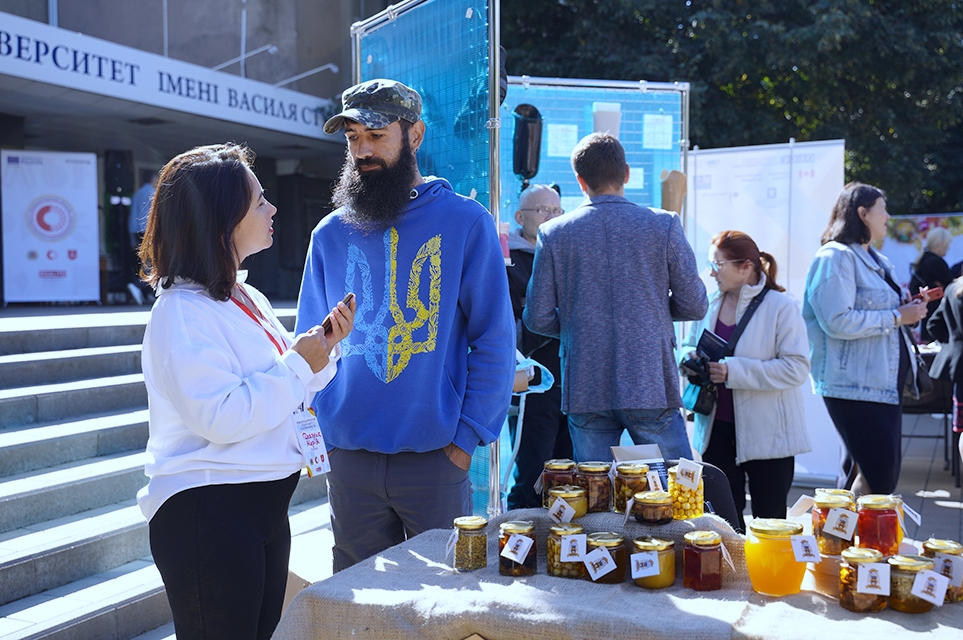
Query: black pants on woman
{"x":769,"y":480}
{"x":223,"y":551}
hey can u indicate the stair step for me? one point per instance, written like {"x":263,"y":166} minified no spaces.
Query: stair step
{"x":66,"y":400}
{"x":48,"y":367}
{"x":160,"y":633}
{"x":75,"y":331}
{"x":114,"y":605}
{"x":28,"y":448}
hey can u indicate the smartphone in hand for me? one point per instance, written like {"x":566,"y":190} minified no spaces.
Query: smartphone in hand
{"x":935,"y":294}
{"x":326,"y":324}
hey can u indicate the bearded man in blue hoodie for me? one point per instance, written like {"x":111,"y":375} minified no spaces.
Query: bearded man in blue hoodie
{"x":427,"y":375}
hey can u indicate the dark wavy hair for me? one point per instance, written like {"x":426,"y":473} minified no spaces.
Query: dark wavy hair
{"x":202,"y":195}
{"x":739,"y":247}
{"x":845,"y":225}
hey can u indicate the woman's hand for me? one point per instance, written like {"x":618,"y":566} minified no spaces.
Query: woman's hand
{"x":312,"y":346}
{"x":342,"y":321}
{"x":718,"y":372}
{"x":912,"y":312}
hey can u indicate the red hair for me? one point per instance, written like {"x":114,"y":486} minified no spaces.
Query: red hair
{"x":739,"y":247}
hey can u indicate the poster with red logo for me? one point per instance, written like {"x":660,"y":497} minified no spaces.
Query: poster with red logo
{"x":51,"y":240}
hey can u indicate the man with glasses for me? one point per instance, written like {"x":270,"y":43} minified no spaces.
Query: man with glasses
{"x":544,"y":427}
{"x":609,"y":279}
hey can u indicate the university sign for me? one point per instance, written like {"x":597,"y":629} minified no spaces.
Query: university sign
{"x":36,"y":51}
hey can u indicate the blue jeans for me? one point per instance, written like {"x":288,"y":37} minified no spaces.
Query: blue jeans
{"x":594,"y":433}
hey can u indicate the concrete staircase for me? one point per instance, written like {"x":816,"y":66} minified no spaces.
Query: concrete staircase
{"x":74,"y":554}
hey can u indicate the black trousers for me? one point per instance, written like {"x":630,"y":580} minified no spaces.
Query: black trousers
{"x":222,"y":551}
{"x":769,"y":480}
{"x":545,"y":436}
{"x":871,"y":433}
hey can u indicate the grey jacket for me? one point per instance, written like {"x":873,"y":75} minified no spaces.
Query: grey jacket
{"x":609,"y":279}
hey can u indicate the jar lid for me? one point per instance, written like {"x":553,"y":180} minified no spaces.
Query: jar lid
{"x":653,"y":497}
{"x":853,"y":555}
{"x":566,"y":491}
{"x":632,"y":468}
{"x":517,"y":526}
{"x":605,"y":539}
{"x":470,"y":523}
{"x":910,"y":563}
{"x":878,"y":501}
{"x":703,"y":538}
{"x":560,"y":464}
{"x":950,"y":547}
{"x":673,"y":470}
{"x":567,"y":529}
{"x":594,"y":467}
{"x":775,"y":527}
{"x":836,"y":492}
{"x":645,"y":543}
{"x":833,"y":501}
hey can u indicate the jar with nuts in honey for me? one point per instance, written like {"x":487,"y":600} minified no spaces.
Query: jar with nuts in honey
{"x":554,"y":549}
{"x":614,"y":543}
{"x":630,"y":479}
{"x":686,"y":503}
{"x":594,"y":478}
{"x":471,"y":548}
{"x":556,"y":473}
{"x":902,"y":574}
{"x":653,"y":507}
{"x":934,"y":546}
{"x":828,"y":543}
{"x":849,"y":597}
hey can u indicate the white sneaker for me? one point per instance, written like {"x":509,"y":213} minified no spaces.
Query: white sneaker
{"x":135,"y":293}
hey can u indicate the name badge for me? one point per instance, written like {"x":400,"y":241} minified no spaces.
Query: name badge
{"x":450,"y":545}
{"x":930,"y":586}
{"x":311,"y":443}
{"x":688,"y":474}
{"x":599,"y":562}
{"x":572,"y":548}
{"x":561,"y":511}
{"x":516,"y":548}
{"x":951,"y":567}
{"x":873,"y":578}
{"x":801,"y":506}
{"x":841,"y":523}
{"x":655,"y":480}
{"x":805,"y":549}
{"x":645,"y":564}
{"x":629,"y":505}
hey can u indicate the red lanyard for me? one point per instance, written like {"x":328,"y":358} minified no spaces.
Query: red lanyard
{"x":255,"y":319}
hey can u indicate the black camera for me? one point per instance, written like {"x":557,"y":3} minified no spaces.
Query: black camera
{"x":696,"y":369}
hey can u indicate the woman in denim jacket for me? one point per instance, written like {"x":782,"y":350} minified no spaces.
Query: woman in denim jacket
{"x":859,"y":355}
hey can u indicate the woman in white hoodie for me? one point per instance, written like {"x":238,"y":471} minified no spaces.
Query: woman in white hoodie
{"x":757,"y":425}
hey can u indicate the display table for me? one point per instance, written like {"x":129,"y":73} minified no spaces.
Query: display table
{"x":409,"y":592}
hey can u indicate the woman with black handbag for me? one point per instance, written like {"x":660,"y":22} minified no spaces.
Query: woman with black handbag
{"x":758,"y":423}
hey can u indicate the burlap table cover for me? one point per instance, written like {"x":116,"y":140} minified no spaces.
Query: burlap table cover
{"x":410,"y":591}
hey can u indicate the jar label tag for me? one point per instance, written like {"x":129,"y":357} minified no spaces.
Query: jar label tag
{"x":915,"y":517}
{"x":599,"y":562}
{"x":645,"y":564}
{"x":930,"y":586}
{"x":801,"y":506}
{"x":450,"y":545}
{"x":561,"y":511}
{"x":902,"y":522}
{"x":805,"y":549}
{"x":572,"y":548}
{"x":540,"y":483}
{"x":311,"y":443}
{"x":655,"y":480}
{"x":841,"y":523}
{"x":688,"y":474}
{"x":517,"y":547}
{"x":872,"y":578}
{"x":727,"y":557}
{"x":951,"y":567}
{"x":628,"y":510}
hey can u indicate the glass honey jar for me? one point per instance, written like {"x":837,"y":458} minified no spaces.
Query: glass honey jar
{"x":702,"y":561}
{"x":471,"y":548}
{"x":951,"y":548}
{"x":630,"y":479}
{"x":772,"y":565}
{"x":849,"y":597}
{"x":902,"y":574}
{"x":615,"y":544}
{"x":653,"y":507}
{"x":836,"y":492}
{"x":665,"y":550}
{"x":594,"y":478}
{"x":553,"y":551}
{"x":686,"y":503}
{"x":829,"y":543}
{"x":878,"y":523}
{"x":556,"y":473}
{"x":573,"y":495}
{"x":507,"y":566}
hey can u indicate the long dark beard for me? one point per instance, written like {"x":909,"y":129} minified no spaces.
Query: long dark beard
{"x":375,"y":201}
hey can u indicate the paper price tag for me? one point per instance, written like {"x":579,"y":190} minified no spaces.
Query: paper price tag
{"x":801,"y":506}
{"x":645,"y":564}
{"x":540,"y":483}
{"x":572,"y":548}
{"x":930,"y":586}
{"x":655,"y":480}
{"x":872,"y":578}
{"x":517,"y":547}
{"x":727,"y":557}
{"x":628,"y":510}
{"x":311,"y":443}
{"x":599,"y":562}
{"x":915,"y":517}
{"x":805,"y":549}
{"x":450,"y":545}
{"x":902,"y":523}
{"x":689,"y":474}
{"x":951,"y":567}
{"x":841,"y":523}
{"x":561,"y":511}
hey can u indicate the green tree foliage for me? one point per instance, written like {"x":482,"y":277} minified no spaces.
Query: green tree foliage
{"x":885,"y":75}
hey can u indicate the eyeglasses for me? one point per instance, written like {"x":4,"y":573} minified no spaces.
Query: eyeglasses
{"x":547,"y":212}
{"x":715,"y":264}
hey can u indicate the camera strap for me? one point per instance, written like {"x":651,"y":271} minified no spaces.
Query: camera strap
{"x":737,"y":332}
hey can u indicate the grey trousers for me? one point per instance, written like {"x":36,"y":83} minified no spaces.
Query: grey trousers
{"x":379,"y":500}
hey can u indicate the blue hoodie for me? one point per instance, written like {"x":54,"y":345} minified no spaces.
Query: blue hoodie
{"x":432,"y":356}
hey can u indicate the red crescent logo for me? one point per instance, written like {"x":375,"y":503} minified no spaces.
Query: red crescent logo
{"x":40,"y":218}
{"x":51,"y":218}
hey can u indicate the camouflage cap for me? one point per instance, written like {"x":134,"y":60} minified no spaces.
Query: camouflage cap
{"x":376,"y":104}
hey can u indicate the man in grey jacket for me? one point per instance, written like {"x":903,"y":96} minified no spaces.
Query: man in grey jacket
{"x":609,"y":279}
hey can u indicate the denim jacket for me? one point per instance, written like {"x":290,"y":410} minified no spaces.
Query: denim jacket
{"x":850,"y":314}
